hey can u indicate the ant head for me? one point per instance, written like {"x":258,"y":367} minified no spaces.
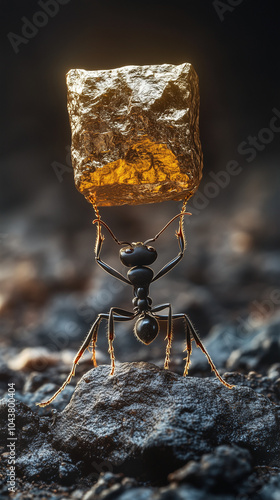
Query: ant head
{"x":137,"y":254}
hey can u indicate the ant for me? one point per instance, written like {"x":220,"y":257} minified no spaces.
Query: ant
{"x":137,"y":257}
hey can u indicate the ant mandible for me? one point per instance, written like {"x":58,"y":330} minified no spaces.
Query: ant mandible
{"x":137,"y":256}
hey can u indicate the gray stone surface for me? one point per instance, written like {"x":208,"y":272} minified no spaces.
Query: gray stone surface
{"x":261,"y":348}
{"x":148,"y":421}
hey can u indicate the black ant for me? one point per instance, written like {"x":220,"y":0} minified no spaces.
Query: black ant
{"x":137,"y":256}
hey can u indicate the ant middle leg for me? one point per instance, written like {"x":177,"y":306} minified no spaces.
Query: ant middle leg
{"x":93,"y":343}
{"x":117,"y":315}
{"x":188,"y":348}
{"x":169,"y":333}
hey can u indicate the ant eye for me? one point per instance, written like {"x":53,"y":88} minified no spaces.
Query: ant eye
{"x":128,"y":250}
{"x":151,"y":249}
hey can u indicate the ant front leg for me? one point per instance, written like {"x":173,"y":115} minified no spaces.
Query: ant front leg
{"x":180,"y":234}
{"x":98,"y":246}
{"x":182,"y":245}
{"x":99,"y":238}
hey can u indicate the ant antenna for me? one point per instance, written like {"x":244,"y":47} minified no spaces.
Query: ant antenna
{"x":100,"y":222}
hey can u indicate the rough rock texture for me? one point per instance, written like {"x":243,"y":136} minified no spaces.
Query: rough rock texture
{"x":209,"y":482}
{"x":223,"y":469}
{"x":261,"y":348}
{"x":47,"y":469}
{"x":149,"y":421}
{"x":224,"y":472}
{"x":135,"y":133}
{"x":35,"y":457}
{"x":268,"y":386}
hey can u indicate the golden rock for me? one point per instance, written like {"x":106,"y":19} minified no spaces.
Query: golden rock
{"x":135,"y":133}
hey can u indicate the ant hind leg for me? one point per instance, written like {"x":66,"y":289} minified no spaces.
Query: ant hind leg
{"x":192,"y":333}
{"x":92,"y":335}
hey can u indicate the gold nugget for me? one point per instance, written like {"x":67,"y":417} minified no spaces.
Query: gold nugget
{"x":135,"y":133}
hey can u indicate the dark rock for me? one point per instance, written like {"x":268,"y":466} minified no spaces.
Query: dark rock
{"x":220,"y":471}
{"x":261,"y":350}
{"x":139,"y":493}
{"x":147,"y":422}
{"x":220,"y":343}
{"x":274,"y":372}
{"x":265,"y":385}
{"x":35,"y":457}
{"x":271,"y":491}
{"x":109,"y":485}
{"x":63,"y":323}
{"x":26,"y":424}
{"x":184,"y":492}
{"x":46,"y":464}
{"x":9,"y":376}
{"x":172,"y":492}
{"x":43,"y":393}
{"x":34,"y":381}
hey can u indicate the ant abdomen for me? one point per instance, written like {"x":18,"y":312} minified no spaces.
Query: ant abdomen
{"x":146,"y":328}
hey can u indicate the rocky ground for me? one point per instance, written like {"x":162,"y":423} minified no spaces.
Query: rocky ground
{"x":145,"y":433}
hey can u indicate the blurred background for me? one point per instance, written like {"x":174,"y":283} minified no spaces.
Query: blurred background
{"x":51,"y":289}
